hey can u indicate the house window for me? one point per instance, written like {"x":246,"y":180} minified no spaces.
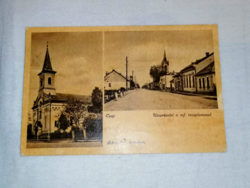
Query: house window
{"x":187,"y":81}
{"x":40,"y":115}
{"x":208,"y":85}
{"x":200,"y":82}
{"x":184,"y":82}
{"x":109,"y":84}
{"x":203,"y":82}
{"x":49,"y":80}
{"x":193,"y":81}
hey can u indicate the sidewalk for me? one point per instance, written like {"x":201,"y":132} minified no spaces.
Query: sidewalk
{"x":127,"y":93}
{"x":212,"y":97}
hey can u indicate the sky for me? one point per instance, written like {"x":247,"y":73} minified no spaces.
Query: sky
{"x":146,"y":48}
{"x":81,"y":59}
{"x":77,"y":58}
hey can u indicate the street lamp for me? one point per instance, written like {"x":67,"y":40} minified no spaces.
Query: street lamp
{"x":49,"y":118}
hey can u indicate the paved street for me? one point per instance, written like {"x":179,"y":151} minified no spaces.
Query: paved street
{"x":143,"y":99}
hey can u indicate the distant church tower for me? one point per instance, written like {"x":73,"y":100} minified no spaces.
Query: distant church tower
{"x":47,"y":77}
{"x":165,"y":62}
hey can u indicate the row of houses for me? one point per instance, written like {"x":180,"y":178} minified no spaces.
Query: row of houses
{"x":197,"y":77}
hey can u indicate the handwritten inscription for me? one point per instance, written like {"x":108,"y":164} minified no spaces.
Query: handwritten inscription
{"x":124,"y":141}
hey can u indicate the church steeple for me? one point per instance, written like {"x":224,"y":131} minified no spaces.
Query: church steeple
{"x":164,"y":61}
{"x":47,"y":67}
{"x":47,"y":77}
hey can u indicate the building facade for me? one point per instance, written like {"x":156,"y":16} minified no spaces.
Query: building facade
{"x":49,"y":104}
{"x":199,"y":76}
{"x":206,"y":80}
{"x":116,"y":81}
{"x":178,"y":85}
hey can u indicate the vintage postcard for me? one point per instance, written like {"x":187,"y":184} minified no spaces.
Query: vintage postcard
{"x":122,"y":90}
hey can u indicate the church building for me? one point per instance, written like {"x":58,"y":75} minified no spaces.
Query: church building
{"x":164,"y":81}
{"x":48,"y":105}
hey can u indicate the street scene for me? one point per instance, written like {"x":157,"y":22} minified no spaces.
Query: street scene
{"x":159,"y":70}
{"x":143,"y":99}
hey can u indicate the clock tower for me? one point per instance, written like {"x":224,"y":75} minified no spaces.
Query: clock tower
{"x":47,"y":77}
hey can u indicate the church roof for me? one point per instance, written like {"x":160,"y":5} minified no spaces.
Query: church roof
{"x":47,"y":66}
{"x":65,"y":97}
{"x":208,"y":69}
{"x":62,"y":98}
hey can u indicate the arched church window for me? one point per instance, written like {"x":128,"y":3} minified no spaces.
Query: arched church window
{"x":49,"y":80}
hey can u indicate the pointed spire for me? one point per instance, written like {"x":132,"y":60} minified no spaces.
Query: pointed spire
{"x":164,"y":61}
{"x":47,"y":67}
{"x":47,"y":63}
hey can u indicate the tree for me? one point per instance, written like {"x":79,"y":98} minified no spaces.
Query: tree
{"x":93,"y":125}
{"x":75,"y":109}
{"x":63,"y":122}
{"x":156,"y":71}
{"x":96,"y":99}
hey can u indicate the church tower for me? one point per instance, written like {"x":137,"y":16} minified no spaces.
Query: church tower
{"x":47,"y":77}
{"x":165,"y":62}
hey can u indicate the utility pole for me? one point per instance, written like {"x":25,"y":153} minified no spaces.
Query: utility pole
{"x":165,"y":77}
{"x":127,"y":73}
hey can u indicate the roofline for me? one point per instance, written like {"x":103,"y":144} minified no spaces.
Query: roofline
{"x":117,"y":73}
{"x":198,"y":73}
{"x":213,"y":72}
{"x":47,"y":71}
{"x":197,"y":61}
{"x":188,"y":67}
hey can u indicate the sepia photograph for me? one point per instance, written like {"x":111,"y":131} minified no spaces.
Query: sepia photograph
{"x":158,"y":70}
{"x":65,"y":90}
{"x":122,"y":90}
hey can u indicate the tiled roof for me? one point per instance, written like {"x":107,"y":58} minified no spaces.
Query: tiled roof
{"x":65,"y":97}
{"x":196,"y":62}
{"x":207,"y":69}
{"x":61,"y":98}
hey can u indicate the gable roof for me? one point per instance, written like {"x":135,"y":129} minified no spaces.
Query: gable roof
{"x":47,"y":67}
{"x":116,"y":73}
{"x":191,"y":66}
{"x":208,"y":69}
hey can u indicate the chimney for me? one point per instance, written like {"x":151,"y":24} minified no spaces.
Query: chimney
{"x":207,"y":54}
